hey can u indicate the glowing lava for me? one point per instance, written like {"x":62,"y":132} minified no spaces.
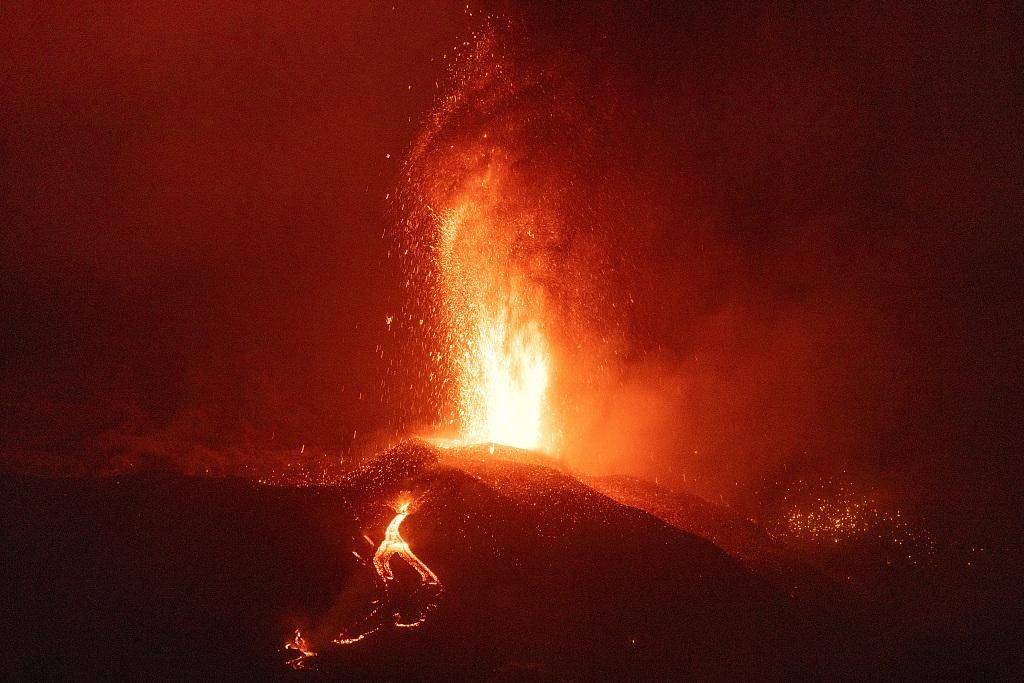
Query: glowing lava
{"x":505,"y":384}
{"x":408,"y":610}
{"x":401,"y":607}
{"x":393,"y":544}
{"x":300,"y":645}
{"x":502,"y":359}
{"x":484,"y":249}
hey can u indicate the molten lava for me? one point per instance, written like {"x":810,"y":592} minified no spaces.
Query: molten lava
{"x":393,"y":544}
{"x":300,"y":645}
{"x":401,"y":607}
{"x":503,"y":365}
{"x":408,"y":610}
{"x":502,"y":358}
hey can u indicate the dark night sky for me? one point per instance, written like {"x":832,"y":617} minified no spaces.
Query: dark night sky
{"x":193,"y":203}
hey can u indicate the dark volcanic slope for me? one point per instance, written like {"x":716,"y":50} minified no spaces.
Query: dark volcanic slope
{"x":738,"y":536}
{"x":543,"y":577}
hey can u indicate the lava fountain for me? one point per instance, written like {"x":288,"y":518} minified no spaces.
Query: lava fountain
{"x":511,"y":250}
{"x":502,"y":359}
{"x":483,"y":243}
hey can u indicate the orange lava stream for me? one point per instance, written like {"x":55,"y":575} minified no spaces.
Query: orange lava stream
{"x":429,"y":588}
{"x":300,"y":645}
{"x":393,"y":544}
{"x":383,"y":612}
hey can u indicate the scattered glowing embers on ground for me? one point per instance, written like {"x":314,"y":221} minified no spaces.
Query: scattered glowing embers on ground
{"x":828,"y":513}
{"x":835,"y":520}
{"x":397,"y":606}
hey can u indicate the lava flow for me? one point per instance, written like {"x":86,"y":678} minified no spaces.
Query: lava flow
{"x":402,"y":610}
{"x":393,"y":544}
{"x":407,"y":610}
{"x":300,"y":645}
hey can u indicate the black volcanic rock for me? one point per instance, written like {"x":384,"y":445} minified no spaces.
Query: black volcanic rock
{"x":742,"y":538}
{"x":543,"y":578}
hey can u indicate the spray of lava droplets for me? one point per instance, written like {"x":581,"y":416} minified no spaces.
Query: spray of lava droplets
{"x":502,"y":360}
{"x":511,"y":252}
{"x":476,"y":244}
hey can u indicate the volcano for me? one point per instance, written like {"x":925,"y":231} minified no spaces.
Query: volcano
{"x":545,"y":576}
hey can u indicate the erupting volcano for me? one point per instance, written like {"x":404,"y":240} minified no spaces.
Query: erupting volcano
{"x":405,"y":341}
{"x":512,"y":301}
{"x":493,"y":314}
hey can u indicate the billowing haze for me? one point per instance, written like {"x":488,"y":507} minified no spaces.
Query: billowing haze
{"x":779,"y":244}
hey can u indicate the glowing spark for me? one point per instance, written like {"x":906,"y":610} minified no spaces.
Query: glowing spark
{"x":354,"y":639}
